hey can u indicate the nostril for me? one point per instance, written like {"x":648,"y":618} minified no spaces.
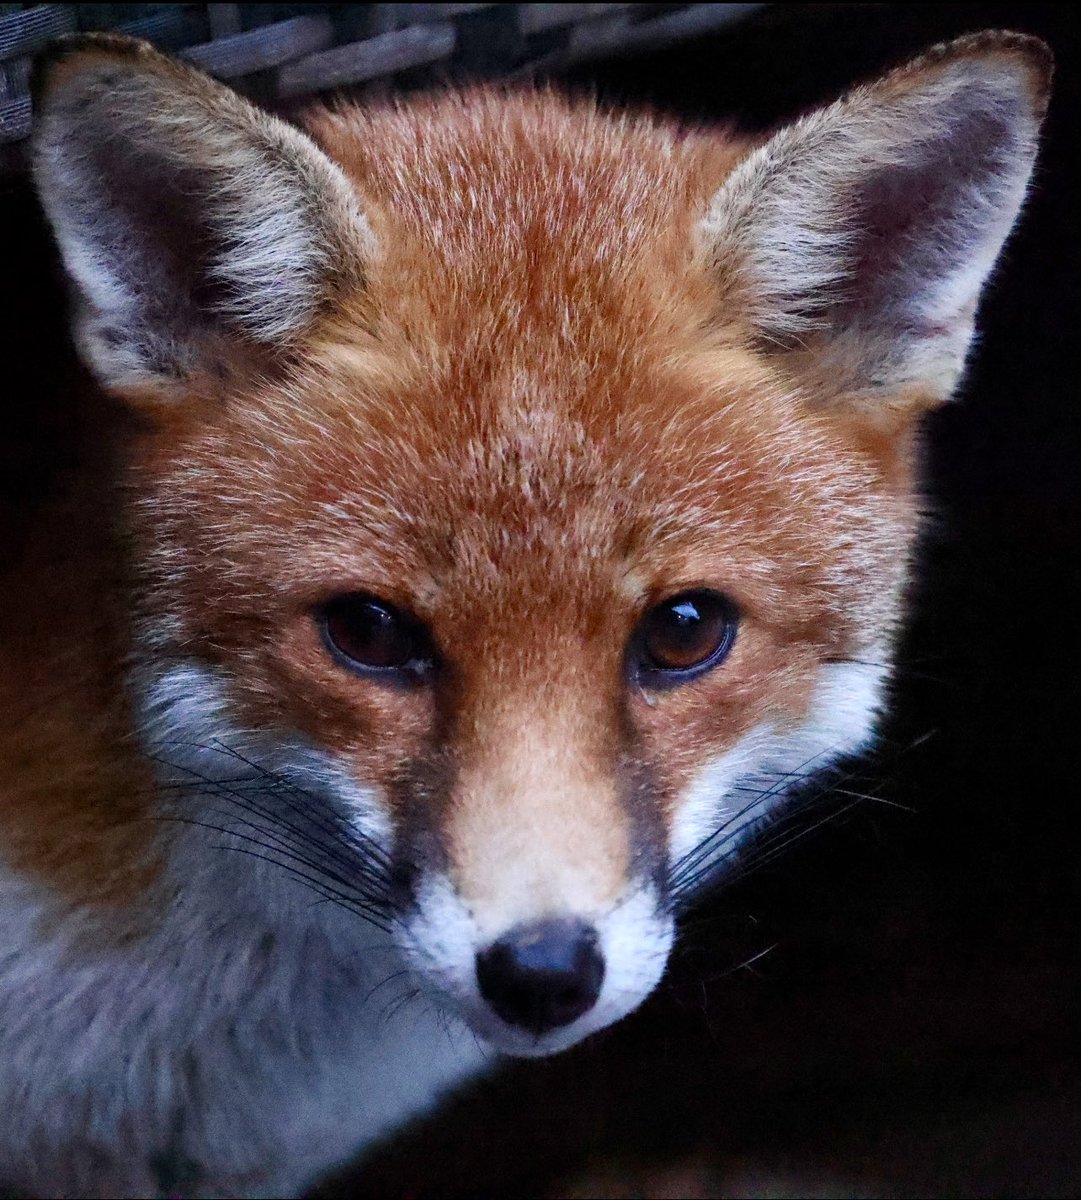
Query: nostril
{"x":542,"y":976}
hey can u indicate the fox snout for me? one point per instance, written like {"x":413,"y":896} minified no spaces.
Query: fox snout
{"x":539,"y":914}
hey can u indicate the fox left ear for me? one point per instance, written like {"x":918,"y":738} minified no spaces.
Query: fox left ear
{"x":859,"y":238}
{"x":194,"y":227}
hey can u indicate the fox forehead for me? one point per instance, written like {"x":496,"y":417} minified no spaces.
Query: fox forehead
{"x":526,"y":208}
{"x":449,"y":495}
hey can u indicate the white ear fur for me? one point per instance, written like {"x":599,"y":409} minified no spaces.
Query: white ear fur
{"x":859,"y":238}
{"x":187,"y":219}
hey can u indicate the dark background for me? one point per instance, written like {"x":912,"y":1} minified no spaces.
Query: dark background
{"x":913,"y":1029}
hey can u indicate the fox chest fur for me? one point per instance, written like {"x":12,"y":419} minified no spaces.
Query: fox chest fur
{"x":505,"y":502}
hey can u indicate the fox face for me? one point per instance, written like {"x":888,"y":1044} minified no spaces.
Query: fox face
{"x":531,"y":646}
{"x":523,"y":496}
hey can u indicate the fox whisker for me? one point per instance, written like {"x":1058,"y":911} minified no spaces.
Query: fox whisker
{"x":353,"y":862}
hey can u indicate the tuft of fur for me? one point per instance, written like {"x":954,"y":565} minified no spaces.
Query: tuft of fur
{"x":523,"y":369}
{"x":863,"y":234}
{"x":210,"y":219}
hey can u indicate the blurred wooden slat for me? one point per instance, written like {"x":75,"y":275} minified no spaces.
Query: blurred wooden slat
{"x":419,"y":14}
{"x":383,"y":55}
{"x":224,"y":19}
{"x":14,"y":118}
{"x":620,"y":34}
{"x":16,"y":77}
{"x":316,"y":48}
{"x":259,"y":49}
{"x":537,"y":18}
{"x":171,"y":28}
{"x":24,"y":32}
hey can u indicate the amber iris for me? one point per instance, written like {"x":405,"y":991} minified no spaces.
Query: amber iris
{"x":374,"y":635}
{"x":687,"y":633}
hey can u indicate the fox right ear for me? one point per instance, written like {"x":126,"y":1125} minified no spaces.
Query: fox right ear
{"x":859,"y":238}
{"x":192,"y":224}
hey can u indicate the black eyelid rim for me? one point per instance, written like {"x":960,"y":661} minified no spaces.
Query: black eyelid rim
{"x":656,"y":678}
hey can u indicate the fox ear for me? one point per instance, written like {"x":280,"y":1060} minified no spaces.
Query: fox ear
{"x":192,"y":225}
{"x":858,"y":239}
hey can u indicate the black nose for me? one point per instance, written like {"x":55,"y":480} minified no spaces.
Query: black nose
{"x":542,"y":976}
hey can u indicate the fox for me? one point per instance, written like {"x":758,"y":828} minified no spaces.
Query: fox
{"x":487,"y":494}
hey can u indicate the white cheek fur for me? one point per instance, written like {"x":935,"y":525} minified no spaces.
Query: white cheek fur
{"x":738,"y":788}
{"x":187,"y":728}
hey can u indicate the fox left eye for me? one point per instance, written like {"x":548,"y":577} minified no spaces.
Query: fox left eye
{"x":684,"y":636}
{"x":372,"y":635}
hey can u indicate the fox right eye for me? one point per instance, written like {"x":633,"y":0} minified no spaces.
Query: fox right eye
{"x":684,"y":636}
{"x":371,"y":635}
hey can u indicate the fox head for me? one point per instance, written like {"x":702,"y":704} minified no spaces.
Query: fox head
{"x":523,"y":494}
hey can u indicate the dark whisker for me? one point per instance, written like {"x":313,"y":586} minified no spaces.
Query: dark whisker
{"x":289,"y":849}
{"x":290,"y":786}
{"x":355,"y":866}
{"x":709,"y":845}
{"x":396,"y":1005}
{"x":718,"y":851}
{"x":363,"y":907}
{"x":389,"y":979}
{"x":337,"y":865}
{"x":757,"y":858}
{"x":284,"y":789}
{"x":354,"y":870}
{"x":374,"y":917}
{"x":874,"y":799}
{"x":754,"y":862}
{"x":281,"y":787}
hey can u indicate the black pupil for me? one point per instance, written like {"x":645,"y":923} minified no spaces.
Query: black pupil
{"x":370,"y":633}
{"x":686,"y":631}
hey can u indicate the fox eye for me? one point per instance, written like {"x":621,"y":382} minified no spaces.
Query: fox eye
{"x":684,"y":636}
{"x":372,"y":635}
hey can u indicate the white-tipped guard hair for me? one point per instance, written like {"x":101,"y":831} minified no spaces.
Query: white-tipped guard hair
{"x":864,"y":232}
{"x":186,"y":217}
